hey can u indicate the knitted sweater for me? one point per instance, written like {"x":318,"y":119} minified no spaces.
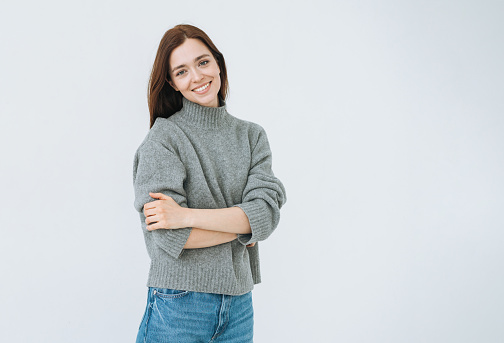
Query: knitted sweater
{"x":205,"y":158}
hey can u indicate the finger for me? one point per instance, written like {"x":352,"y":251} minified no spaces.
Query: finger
{"x":150,"y":212}
{"x":151,"y":205}
{"x":159,"y":196}
{"x":153,"y":227}
{"x":151,"y":219}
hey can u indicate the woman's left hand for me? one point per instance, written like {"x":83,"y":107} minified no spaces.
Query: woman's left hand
{"x":165,"y":213}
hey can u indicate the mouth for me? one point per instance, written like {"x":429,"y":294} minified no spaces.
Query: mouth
{"x":202,"y":88}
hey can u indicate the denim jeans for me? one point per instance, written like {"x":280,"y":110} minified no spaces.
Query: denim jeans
{"x":191,"y":317}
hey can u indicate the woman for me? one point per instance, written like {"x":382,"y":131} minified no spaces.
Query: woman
{"x":216,"y":198}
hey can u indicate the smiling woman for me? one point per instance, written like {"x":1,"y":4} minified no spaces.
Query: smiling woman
{"x":179,"y":43}
{"x":206,"y":194}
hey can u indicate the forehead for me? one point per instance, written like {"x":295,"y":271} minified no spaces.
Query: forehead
{"x":188,"y":51}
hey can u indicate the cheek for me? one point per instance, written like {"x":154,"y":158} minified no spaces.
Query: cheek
{"x":216,"y":73}
{"x":214,"y":70}
{"x":179,"y":84}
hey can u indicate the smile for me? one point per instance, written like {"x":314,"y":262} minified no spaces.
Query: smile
{"x":202,"y":88}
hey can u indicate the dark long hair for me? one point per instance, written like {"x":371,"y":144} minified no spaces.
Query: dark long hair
{"x":163,"y":99}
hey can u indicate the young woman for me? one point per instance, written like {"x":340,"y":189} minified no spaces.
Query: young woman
{"x":206,"y":194}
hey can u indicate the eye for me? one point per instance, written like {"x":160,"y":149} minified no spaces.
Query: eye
{"x":204,"y":62}
{"x":180,"y":73}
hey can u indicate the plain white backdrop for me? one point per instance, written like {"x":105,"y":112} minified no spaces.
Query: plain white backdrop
{"x":386,"y":124}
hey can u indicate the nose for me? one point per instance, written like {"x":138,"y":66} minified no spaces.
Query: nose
{"x":197,"y":75}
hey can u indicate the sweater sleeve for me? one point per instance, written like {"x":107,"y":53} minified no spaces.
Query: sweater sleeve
{"x":263,"y":195}
{"x":158,"y":170}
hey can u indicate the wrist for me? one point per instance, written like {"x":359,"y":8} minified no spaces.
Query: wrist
{"x":189,"y":218}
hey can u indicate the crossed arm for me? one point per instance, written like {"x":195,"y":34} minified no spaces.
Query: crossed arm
{"x":210,"y":226}
{"x":159,"y":171}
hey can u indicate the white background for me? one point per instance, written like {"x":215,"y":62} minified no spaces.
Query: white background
{"x":386,"y":123}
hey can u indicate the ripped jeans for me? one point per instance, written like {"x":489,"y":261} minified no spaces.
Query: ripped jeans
{"x":190,"y":317}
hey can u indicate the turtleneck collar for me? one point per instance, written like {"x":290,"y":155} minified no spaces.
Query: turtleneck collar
{"x":209,"y":117}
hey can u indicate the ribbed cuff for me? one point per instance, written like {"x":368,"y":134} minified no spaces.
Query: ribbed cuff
{"x":172,"y":241}
{"x":259,"y":223}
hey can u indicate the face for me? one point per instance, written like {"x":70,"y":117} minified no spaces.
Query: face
{"x":195,"y":73}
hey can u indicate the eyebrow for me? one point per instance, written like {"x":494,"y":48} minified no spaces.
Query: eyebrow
{"x":195,"y":60}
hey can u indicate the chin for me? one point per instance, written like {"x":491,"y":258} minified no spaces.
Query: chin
{"x":208,"y":103}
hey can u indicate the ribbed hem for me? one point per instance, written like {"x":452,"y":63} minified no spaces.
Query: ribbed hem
{"x":259,"y":223}
{"x":216,"y":279}
{"x":202,"y":116}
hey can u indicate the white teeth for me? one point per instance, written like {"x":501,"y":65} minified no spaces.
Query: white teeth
{"x":202,"y":88}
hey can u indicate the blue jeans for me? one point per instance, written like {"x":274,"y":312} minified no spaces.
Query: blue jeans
{"x":191,"y":317}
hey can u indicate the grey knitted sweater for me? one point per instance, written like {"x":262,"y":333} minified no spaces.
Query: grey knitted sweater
{"x":203,"y":157}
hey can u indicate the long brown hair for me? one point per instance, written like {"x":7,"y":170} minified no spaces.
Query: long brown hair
{"x":163,"y":99}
